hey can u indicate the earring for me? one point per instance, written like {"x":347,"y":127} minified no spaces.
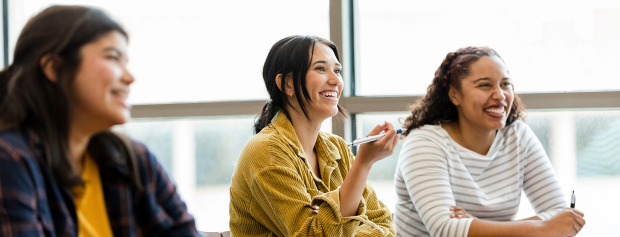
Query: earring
{"x":290,"y":95}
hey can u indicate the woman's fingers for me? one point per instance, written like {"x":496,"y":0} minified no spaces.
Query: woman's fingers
{"x":395,"y":142}
{"x":459,"y":212}
{"x":580,"y":221}
{"x":390,"y":133}
{"x":377,"y":130}
{"x":578,"y":212}
{"x":374,"y":151}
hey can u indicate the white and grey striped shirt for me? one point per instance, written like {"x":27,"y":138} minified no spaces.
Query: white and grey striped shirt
{"x":434,"y":173}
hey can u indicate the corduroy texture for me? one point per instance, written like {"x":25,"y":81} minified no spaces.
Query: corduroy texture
{"x":273,"y":189}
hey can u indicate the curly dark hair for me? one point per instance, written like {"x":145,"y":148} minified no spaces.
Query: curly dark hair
{"x":435,"y":107}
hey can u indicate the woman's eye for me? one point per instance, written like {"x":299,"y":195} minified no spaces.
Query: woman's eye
{"x":338,"y":71}
{"x":484,"y":85}
{"x":507,"y":84}
{"x":113,"y":57}
{"x":322,"y":69}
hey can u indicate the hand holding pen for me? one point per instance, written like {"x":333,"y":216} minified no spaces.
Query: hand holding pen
{"x":385,"y":140}
{"x":567,"y":222}
{"x":367,"y":139}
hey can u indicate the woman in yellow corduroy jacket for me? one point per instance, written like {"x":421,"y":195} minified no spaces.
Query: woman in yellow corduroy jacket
{"x":292,"y":179}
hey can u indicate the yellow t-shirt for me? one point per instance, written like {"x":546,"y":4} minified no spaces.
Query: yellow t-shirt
{"x":90,"y":205}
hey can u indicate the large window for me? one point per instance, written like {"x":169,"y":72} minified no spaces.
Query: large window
{"x":548,"y":45}
{"x":191,"y":51}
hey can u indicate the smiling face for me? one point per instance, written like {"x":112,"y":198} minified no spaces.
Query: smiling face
{"x":486,"y":95}
{"x":101,"y":84}
{"x":324,"y":84}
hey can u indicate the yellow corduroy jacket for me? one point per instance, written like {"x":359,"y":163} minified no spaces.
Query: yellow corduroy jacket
{"x":273,"y":189}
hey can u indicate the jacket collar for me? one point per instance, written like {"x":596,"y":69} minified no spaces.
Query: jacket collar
{"x":326,"y":150}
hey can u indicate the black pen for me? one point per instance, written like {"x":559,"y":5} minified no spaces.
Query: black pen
{"x":572,"y":200}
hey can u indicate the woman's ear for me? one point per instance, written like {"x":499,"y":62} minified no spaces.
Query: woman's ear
{"x":288,"y":84}
{"x":49,"y":64}
{"x":455,"y":96}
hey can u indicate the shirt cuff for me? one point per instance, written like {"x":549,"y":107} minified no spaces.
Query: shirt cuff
{"x":329,"y":212}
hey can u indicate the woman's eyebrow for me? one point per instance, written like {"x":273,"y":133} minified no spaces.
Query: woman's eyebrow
{"x":113,"y":49}
{"x":323,"y":61}
{"x":487,"y":79}
{"x":482,"y":79}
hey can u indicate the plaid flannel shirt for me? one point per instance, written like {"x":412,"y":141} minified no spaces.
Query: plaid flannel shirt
{"x":32,"y":204}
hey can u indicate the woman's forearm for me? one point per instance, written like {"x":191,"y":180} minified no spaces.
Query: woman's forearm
{"x":533,"y":218}
{"x":483,"y":228}
{"x":353,"y":187}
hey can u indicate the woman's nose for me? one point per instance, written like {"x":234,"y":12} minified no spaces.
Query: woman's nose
{"x":127,"y":77}
{"x":498,"y":94}
{"x":334,"y":79}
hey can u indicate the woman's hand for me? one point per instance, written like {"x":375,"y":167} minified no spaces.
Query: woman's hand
{"x":567,"y":222}
{"x":371,"y":152}
{"x":459,"y":212}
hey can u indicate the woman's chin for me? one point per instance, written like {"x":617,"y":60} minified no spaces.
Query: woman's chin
{"x":333,"y":113}
{"x":497,"y":125}
{"x":120,"y":117}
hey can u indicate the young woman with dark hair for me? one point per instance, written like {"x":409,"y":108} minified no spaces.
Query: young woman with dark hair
{"x":62,"y":171}
{"x":468,"y":155}
{"x":292,"y":179}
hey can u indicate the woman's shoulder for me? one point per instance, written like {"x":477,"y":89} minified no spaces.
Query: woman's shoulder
{"x":266,"y":149}
{"x":15,"y":145}
{"x":264,"y":141}
{"x":428,"y":132}
{"x":113,"y":148}
{"x":518,"y":129}
{"x":19,"y":164}
{"x":427,"y":129}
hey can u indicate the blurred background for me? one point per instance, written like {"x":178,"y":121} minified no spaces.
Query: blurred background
{"x":198,"y":68}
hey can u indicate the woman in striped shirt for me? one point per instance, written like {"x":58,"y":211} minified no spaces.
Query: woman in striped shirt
{"x":467,"y":157}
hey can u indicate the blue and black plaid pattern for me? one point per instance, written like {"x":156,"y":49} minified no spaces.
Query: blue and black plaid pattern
{"x":32,"y":204}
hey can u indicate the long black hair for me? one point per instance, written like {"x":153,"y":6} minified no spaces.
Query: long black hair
{"x":292,"y":55}
{"x":31,"y":103}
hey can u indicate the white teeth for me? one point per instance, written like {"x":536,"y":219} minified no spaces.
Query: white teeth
{"x":495,"y":111}
{"x":330,"y":94}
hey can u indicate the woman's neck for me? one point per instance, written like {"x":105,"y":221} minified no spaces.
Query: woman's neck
{"x":307,"y":130}
{"x":470,"y":137}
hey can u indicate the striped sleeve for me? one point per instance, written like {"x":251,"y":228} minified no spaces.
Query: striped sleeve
{"x":424,"y":167}
{"x":540,"y":183}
